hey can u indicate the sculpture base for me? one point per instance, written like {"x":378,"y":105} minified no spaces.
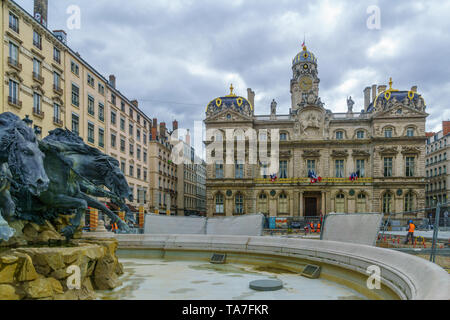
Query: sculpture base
{"x":72,"y":272}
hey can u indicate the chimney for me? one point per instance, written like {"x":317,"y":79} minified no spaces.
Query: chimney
{"x":174,"y":125}
{"x":445,"y":127}
{"x":162,"y":129}
{"x":154,"y":128}
{"x":61,"y":35}
{"x":135,"y":103}
{"x":251,"y":97}
{"x":414,"y":88}
{"x":381,"y":88}
{"x":40,"y":11}
{"x":155,"y":123}
{"x":112,"y":80}
{"x":374,"y":92}
{"x":366,"y":98}
{"x":188,"y":138}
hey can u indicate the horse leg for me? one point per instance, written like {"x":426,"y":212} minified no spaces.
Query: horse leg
{"x":61,"y":201}
{"x":98,"y":205}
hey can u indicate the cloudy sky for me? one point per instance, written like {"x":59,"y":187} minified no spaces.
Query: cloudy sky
{"x":175,"y":56}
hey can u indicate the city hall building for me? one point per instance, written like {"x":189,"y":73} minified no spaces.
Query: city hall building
{"x":382,"y":147}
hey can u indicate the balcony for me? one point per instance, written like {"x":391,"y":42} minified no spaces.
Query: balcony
{"x":37,"y":77}
{"x":57,"y":122}
{"x":57,"y":89}
{"x":38,"y":113}
{"x":14,"y":64}
{"x":15,"y":102}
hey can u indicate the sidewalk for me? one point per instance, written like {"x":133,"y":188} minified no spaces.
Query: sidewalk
{"x":442,"y":235}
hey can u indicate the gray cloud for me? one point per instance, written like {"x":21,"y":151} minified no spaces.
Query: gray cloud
{"x":176,"y":56}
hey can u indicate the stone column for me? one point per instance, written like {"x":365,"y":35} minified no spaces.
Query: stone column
{"x":323,"y":203}
{"x":296,"y":209}
{"x":291,"y":204}
{"x":301,"y":213}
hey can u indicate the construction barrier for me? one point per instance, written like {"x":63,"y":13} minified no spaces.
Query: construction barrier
{"x":93,"y":218}
{"x":141,"y":217}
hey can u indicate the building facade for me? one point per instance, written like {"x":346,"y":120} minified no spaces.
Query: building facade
{"x":384,"y":144}
{"x":436,"y":166}
{"x":47,"y":81}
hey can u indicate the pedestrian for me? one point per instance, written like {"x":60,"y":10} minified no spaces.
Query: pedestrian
{"x":411,"y":227}
{"x":445,"y":219}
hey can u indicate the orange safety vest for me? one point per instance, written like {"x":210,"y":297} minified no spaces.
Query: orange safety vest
{"x":412,"y":227}
{"x":318,"y":227}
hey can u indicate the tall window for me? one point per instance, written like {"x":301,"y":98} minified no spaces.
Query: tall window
{"x":409,"y":166}
{"x":13,"y":53}
{"x":138,"y":134}
{"x":339,"y":168}
{"x":409,"y":198}
{"x":75,"y":124}
{"x":122,"y":144}
{"x":36,"y":67}
{"x":138,"y":153}
{"x":75,"y":95}
{"x":262,"y":203}
{"x":283,"y":204}
{"x":56,"y":80}
{"x":130,"y":126}
{"x":91,"y":102}
{"x":264,"y":170}
{"x":101,"y":89}
{"x":131,"y":172}
{"x":13,"y":22}
{"x":101,"y":111}
{"x":283,"y":169}
{"x":56,"y":54}
{"x":113,"y":117}
{"x":122,"y":124}
{"x":90,"y":80}
{"x":37,"y":98}
{"x":113,"y":98}
{"x":360,"y":167}
{"x":311,"y":165}
{"x":387,"y":203}
{"x":131,"y":149}
{"x":56,"y":112}
{"x":219,"y":170}
{"x":91,"y":132}
{"x":219,"y":204}
{"x":101,"y":137}
{"x":113,"y":140}
{"x":13,"y":91}
{"x":239,"y":203}
{"x":122,"y":166}
{"x":388,"y":167}
{"x":37,"y":40}
{"x":74,"y":68}
{"x":239,"y":170}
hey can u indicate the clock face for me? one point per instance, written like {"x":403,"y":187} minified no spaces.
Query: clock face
{"x":305,"y":83}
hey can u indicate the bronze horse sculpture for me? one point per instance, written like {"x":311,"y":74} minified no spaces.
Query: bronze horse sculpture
{"x":21,"y":166}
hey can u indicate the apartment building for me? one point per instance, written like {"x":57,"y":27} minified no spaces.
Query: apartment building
{"x":52,"y":85}
{"x":436,"y":166}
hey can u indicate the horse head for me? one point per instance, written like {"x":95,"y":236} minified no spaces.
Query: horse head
{"x":19,"y":148}
{"x":115,"y":180}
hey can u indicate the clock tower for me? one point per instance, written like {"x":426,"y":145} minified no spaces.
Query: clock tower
{"x":305,"y":80}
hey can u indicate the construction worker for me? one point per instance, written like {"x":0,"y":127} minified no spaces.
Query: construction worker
{"x":318,"y":227}
{"x":411,"y":227}
{"x":312,"y":227}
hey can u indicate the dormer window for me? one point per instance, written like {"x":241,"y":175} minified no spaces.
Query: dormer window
{"x":388,"y":133}
{"x":410,"y":132}
{"x":360,"y":134}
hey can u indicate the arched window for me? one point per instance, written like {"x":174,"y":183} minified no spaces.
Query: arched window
{"x":239,"y":203}
{"x":339,"y":135}
{"x":388,"y":132}
{"x":409,"y":201}
{"x":283,"y":136}
{"x":410,"y":132}
{"x":361,"y":203}
{"x":262,"y":203}
{"x":283,"y":205}
{"x":219,"y":204}
{"x":360,"y":134}
{"x":387,"y":202}
{"x":340,"y":202}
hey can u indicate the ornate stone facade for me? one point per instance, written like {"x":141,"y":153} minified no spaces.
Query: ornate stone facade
{"x":384,"y":143}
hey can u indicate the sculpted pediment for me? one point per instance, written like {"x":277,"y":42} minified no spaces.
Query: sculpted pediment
{"x":230,"y":116}
{"x":360,"y":153}
{"x":388,"y":150}
{"x":410,"y":150}
{"x":400,"y":110}
{"x":310,"y":122}
{"x":311,"y":153}
{"x":339,"y":153}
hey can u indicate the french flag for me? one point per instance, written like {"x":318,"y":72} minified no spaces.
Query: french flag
{"x":313,"y":176}
{"x":273,"y":177}
{"x":354,"y":176}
